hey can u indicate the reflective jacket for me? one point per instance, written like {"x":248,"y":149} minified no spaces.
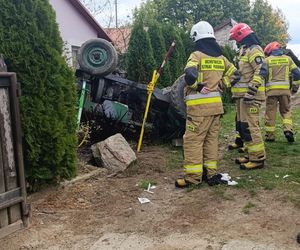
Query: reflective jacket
{"x":280,"y":69}
{"x":253,"y":70}
{"x":213,"y":73}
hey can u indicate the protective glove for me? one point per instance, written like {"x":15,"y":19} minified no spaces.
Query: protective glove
{"x":205,"y":90}
{"x":237,"y":77}
{"x":249,"y":96}
{"x":199,"y":87}
{"x":294,"y":89}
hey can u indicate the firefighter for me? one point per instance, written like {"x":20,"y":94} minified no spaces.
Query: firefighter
{"x":206,"y":71}
{"x":249,"y":93}
{"x":238,"y":142}
{"x":279,"y":90}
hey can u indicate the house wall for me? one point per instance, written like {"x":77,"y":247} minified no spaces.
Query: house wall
{"x":74,"y":28}
{"x":222,"y":37}
{"x":72,"y":25}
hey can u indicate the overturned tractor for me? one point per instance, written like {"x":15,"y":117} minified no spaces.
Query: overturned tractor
{"x":114,"y":104}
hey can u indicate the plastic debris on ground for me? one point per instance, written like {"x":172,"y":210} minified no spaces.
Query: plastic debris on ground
{"x":227,"y":177}
{"x":150,"y":187}
{"x":232,"y":183}
{"x":143,"y":200}
{"x":277,"y":176}
{"x":286,"y":176}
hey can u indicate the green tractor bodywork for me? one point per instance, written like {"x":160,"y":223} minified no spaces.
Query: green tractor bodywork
{"x":114,"y":104}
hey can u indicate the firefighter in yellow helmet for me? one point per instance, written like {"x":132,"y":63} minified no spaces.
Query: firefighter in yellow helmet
{"x":206,"y":71}
{"x":249,"y":93}
{"x":279,"y":91}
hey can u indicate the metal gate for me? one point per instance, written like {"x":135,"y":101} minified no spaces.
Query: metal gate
{"x":14,"y":212}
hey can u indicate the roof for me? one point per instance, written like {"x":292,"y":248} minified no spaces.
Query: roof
{"x":120,"y":37}
{"x":229,"y":21}
{"x":90,"y":19}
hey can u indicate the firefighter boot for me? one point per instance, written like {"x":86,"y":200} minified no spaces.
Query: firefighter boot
{"x":205,"y":175}
{"x":243,"y":150}
{"x":289,"y":136}
{"x":252,"y":165}
{"x":270,"y":137}
{"x":238,"y":143}
{"x":187,"y":181}
{"x":242,"y":160}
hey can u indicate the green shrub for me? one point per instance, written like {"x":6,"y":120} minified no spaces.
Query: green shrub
{"x":159,"y":51}
{"x":140,"y":62}
{"x":32,"y":47}
{"x":178,"y":59}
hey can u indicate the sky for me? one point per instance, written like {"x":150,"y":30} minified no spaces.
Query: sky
{"x":290,"y":9}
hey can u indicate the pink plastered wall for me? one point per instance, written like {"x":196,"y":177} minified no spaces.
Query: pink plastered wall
{"x":74,"y":28}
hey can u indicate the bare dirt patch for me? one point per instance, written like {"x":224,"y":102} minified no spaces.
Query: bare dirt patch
{"x":104,"y":213}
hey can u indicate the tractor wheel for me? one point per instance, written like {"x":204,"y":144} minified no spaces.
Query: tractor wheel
{"x":177,"y":97}
{"x":97,"y":57}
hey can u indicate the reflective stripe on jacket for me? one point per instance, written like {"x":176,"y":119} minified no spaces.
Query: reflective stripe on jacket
{"x":213,"y":73}
{"x":277,"y":85}
{"x":251,"y":72}
{"x":198,"y":99}
{"x":280,"y":68}
{"x":243,"y":88}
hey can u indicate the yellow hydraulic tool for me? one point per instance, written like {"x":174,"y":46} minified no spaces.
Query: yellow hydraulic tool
{"x":156,"y":74}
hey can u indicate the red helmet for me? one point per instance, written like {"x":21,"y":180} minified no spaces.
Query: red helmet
{"x":239,"y":32}
{"x":272,"y":46}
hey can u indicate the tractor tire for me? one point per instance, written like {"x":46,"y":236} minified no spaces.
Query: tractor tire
{"x":100,"y":89}
{"x":177,"y":97}
{"x":97,"y":57}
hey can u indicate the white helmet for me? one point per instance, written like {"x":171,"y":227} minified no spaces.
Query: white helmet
{"x":202,"y":30}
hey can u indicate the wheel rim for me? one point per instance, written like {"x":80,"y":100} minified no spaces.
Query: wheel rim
{"x":96,"y":57}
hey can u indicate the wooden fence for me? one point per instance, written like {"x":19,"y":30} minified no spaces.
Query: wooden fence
{"x":14,"y":211}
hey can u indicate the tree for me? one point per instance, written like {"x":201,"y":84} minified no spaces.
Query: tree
{"x":269,"y":24}
{"x":32,"y":46}
{"x":96,"y":7}
{"x":140,"y":62}
{"x":158,"y":43}
{"x":178,"y":59}
{"x":100,"y":8}
{"x":184,"y":13}
{"x":178,"y":16}
{"x":188,"y":44}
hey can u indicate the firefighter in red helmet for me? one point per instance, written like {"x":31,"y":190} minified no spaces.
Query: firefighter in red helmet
{"x":249,"y":94}
{"x":279,"y":88}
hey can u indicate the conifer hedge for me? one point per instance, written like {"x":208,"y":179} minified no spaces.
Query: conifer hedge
{"x":148,"y":45}
{"x":178,"y":58}
{"x":159,"y":51}
{"x":140,"y":61}
{"x":32,"y":47}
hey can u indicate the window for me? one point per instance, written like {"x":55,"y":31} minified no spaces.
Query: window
{"x":75,"y":50}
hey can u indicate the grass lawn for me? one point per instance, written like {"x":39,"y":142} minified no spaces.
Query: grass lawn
{"x":282,"y":170}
